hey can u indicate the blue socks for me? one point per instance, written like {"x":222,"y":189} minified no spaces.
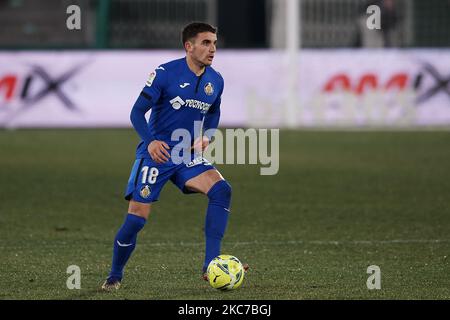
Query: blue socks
{"x":216,"y":219}
{"x":215,"y":224}
{"x":124,"y":243}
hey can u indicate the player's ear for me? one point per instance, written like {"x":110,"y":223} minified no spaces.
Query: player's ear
{"x":188,"y":45}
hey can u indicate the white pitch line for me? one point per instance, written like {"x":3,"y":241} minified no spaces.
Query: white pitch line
{"x":300,"y":242}
{"x":242,"y":243}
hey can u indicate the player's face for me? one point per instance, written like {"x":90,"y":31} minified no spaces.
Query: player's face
{"x":204,"y":47}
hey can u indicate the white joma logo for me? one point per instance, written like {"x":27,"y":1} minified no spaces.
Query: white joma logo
{"x":124,"y":244}
{"x":177,"y":102}
{"x":184,"y":85}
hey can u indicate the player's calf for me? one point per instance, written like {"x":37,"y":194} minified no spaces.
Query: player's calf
{"x":216,"y":219}
{"x":124,"y":244}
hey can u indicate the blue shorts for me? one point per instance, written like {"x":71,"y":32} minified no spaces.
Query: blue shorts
{"x":147,"y":177}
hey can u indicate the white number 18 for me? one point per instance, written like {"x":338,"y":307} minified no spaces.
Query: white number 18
{"x":151,"y":177}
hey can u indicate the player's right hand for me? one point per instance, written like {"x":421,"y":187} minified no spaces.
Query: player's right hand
{"x":158,"y":151}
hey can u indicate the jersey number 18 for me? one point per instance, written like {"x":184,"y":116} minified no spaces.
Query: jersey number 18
{"x":149,"y":175}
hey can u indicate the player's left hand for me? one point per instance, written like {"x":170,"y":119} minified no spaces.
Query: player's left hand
{"x":200,"y":144}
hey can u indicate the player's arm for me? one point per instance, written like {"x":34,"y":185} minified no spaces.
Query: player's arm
{"x":137,"y":117}
{"x":151,"y":92}
{"x":211,"y":120}
{"x":210,"y":124}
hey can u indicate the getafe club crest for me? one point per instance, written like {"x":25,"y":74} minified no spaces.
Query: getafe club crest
{"x":209,"y":89}
{"x":145,"y":192}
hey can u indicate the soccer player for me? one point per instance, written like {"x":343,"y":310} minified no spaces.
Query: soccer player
{"x":180,"y":93}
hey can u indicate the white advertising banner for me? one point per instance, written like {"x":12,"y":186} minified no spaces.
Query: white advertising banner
{"x":263,"y":88}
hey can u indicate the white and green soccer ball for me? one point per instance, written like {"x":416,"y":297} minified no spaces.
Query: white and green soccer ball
{"x":225,"y":272}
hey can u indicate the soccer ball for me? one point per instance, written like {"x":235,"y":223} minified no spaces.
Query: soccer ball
{"x":225,"y":272}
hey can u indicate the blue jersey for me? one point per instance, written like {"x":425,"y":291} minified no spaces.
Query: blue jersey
{"x":178,"y":98}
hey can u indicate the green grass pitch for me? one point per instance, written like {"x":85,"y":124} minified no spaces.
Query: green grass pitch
{"x":342,"y":201}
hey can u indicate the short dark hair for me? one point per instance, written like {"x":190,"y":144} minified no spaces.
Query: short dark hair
{"x":192,"y":29}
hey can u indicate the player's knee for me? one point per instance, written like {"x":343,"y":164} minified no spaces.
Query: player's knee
{"x":139,"y":209}
{"x":221,"y":189}
{"x":220,"y":193}
{"x":136,"y":223}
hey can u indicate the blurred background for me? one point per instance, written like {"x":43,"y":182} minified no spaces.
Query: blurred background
{"x":318,"y":63}
{"x":242,"y":23}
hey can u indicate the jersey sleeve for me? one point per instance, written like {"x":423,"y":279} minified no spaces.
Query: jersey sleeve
{"x":156,"y":83}
{"x":137,"y":117}
{"x":150,"y":95}
{"x":211,"y":121}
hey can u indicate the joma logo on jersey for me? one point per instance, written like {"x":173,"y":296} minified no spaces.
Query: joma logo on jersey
{"x":177,"y":102}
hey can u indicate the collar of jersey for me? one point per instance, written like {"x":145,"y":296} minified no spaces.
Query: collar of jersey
{"x":192,"y":72}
